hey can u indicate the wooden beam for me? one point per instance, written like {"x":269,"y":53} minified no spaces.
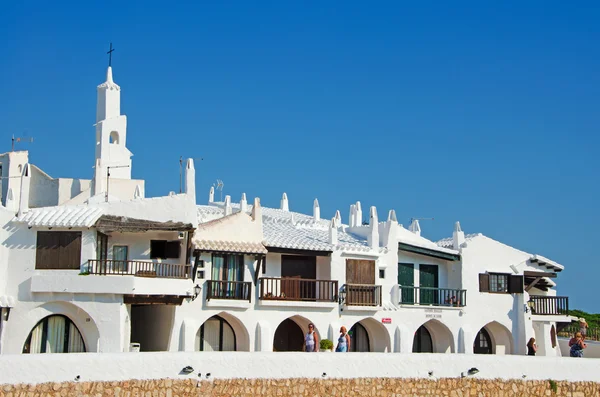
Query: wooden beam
{"x":528,"y":273}
{"x":428,"y":252}
{"x":530,"y":286}
{"x":293,"y":251}
{"x":153,"y":299}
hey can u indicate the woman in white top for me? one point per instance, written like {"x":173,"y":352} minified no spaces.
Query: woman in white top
{"x":311,"y":340}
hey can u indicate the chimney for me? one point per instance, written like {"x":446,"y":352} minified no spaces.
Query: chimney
{"x":390,"y":229}
{"x":338,"y":218}
{"x":373,"y":238}
{"x":358,"y":215}
{"x":392,"y":216}
{"x":25,"y":183}
{"x":333,"y":233}
{"x":256,"y":210}
{"x":211,"y":195}
{"x":138,"y":192}
{"x":190,"y":179}
{"x":316,"y":210}
{"x":243,"y":203}
{"x":415,"y":227}
{"x":352,"y":217}
{"x":227,"y":207}
{"x":284,"y":203}
{"x":458,"y":237}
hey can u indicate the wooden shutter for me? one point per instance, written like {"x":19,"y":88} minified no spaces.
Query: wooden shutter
{"x":47,"y":248}
{"x":360,"y":271}
{"x":70,"y":250}
{"x":484,"y":282}
{"x":515,"y":284}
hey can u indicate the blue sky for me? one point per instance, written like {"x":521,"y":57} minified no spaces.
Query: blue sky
{"x":486,"y":113}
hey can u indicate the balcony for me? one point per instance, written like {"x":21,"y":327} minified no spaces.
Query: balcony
{"x":105,"y":267}
{"x":362,"y":295}
{"x":549,"y":305}
{"x":291,"y":289}
{"x":231,"y":290}
{"x":430,"y":296}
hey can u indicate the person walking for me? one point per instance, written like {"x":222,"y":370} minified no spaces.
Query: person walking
{"x":531,"y":347}
{"x":343,"y":341}
{"x":577,"y":345}
{"x":311,"y":340}
{"x":583,"y":327}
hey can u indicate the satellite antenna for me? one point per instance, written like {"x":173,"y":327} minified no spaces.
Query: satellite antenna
{"x":181,"y":171}
{"x":219,"y":187}
{"x":20,"y":139}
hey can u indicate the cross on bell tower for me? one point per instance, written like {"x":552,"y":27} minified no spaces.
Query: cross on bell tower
{"x":110,"y":51}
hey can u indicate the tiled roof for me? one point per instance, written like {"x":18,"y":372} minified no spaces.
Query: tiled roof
{"x":293,"y":230}
{"x":447,"y":242}
{"x":408,"y":237}
{"x":64,"y":216}
{"x":230,"y":246}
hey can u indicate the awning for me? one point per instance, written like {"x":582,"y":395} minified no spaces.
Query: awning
{"x":111,"y":223}
{"x":234,"y":247}
{"x":428,"y":252}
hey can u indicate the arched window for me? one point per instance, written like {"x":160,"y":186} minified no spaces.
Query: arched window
{"x":483,"y":343}
{"x":215,"y":335}
{"x":422,"y":342}
{"x":114,"y":137}
{"x":359,"y":339}
{"x":54,"y":334}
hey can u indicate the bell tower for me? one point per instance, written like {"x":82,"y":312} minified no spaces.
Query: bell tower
{"x":111,"y":135}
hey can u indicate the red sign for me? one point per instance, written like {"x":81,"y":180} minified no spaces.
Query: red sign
{"x":386,"y":320}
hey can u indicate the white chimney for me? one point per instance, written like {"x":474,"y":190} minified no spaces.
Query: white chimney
{"x":352,"y":217}
{"x":358,"y":214}
{"x":415,"y":227}
{"x":458,"y":237}
{"x":243,"y":203}
{"x":338,"y":217}
{"x":373,"y":238}
{"x":25,"y":183}
{"x":190,"y":179}
{"x":227,"y":207}
{"x":211,"y":195}
{"x":284,"y":203}
{"x":257,"y":210}
{"x":333,"y":233}
{"x":316,"y":210}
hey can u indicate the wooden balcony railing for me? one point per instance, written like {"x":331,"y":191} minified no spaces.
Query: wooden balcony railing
{"x":549,"y":305}
{"x":105,"y":267}
{"x":362,"y":294}
{"x":410,"y":295}
{"x":298,"y":289}
{"x":238,"y":290}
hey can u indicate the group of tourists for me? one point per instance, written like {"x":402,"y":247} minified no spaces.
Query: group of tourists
{"x":576,"y":344}
{"x":311,"y":340}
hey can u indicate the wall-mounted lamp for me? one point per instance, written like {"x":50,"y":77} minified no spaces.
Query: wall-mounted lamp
{"x":529,"y":306}
{"x":197,"y":291}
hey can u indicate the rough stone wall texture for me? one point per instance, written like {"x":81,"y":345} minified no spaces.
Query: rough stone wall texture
{"x":388,"y":387}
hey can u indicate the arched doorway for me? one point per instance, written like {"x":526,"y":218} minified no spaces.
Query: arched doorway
{"x":216,"y":334}
{"x":359,"y":339}
{"x":288,"y":337}
{"x":422,"y":342}
{"x":54,"y":334}
{"x":483,"y":343}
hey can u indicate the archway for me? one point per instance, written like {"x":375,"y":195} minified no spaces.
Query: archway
{"x":433,"y":337}
{"x":369,"y":335}
{"x":497,"y":336}
{"x":483,"y":343}
{"x":289,"y":335}
{"x":82,"y":320}
{"x":114,"y":137}
{"x":54,"y":334}
{"x":215,"y":335}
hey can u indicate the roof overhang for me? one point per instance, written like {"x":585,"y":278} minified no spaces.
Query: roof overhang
{"x":295,"y":251}
{"x":428,"y":252}
{"x":229,"y":247}
{"x":111,"y":223}
{"x":154,"y":299}
{"x":541,"y":261}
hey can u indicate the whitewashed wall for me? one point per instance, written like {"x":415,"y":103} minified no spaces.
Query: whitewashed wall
{"x":125,"y":366}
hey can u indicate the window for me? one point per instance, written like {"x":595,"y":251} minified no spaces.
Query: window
{"x":500,"y":283}
{"x":381,"y":273}
{"x":163,"y":249}
{"x":228,"y":267}
{"x":120,"y":254}
{"x":215,"y":335}
{"x":58,"y":250}
{"x":101,"y":246}
{"x":483,"y":343}
{"x":54,"y":334}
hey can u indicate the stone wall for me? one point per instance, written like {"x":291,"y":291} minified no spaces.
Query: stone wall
{"x":389,"y":387}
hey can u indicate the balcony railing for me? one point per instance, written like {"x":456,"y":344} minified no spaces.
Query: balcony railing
{"x":298,"y":289}
{"x":430,"y":296}
{"x":137,"y":268}
{"x":238,"y":290}
{"x":549,"y":305}
{"x":362,"y":294}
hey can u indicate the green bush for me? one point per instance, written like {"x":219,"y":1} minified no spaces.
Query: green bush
{"x":553,"y":385}
{"x":326,"y":344}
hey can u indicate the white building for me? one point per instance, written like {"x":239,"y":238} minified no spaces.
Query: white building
{"x":93,"y":265}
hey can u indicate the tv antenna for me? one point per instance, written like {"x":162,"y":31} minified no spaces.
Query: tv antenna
{"x":181,"y":171}
{"x":20,"y":139}
{"x":219,"y":186}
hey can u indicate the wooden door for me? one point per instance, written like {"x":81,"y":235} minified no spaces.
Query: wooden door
{"x":428,"y":278}
{"x":360,"y":282}
{"x":289,"y":337}
{"x":298,"y":274}
{"x":406,"y":279}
